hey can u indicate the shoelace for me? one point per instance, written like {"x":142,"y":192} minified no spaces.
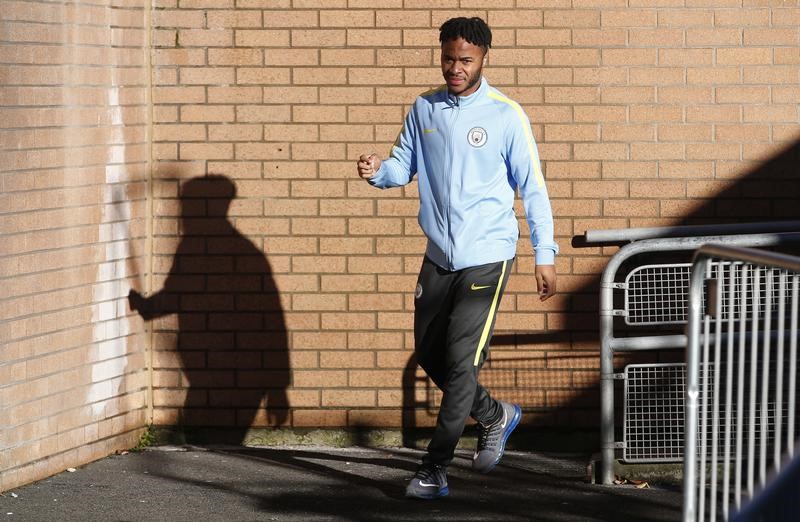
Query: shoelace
{"x":489,"y":435}
{"x":430,"y":471}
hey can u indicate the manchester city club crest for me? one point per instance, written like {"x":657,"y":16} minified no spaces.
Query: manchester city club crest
{"x":477,"y":136}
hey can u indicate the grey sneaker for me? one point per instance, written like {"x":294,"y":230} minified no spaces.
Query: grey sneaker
{"x":429,"y":482}
{"x":492,"y":439}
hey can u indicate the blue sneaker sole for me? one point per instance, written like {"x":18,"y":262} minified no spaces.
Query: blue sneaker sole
{"x":511,"y":427}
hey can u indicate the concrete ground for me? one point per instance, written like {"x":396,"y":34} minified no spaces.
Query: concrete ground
{"x":303,"y":483}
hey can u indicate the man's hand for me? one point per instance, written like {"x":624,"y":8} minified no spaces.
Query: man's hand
{"x":545,"y":281}
{"x":368,"y":165}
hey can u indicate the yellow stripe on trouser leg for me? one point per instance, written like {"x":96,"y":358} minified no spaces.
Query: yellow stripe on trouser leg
{"x":490,"y":319}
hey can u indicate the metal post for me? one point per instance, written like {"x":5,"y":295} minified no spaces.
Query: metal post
{"x":692,"y":390}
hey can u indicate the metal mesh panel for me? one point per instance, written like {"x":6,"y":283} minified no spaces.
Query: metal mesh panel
{"x":656,"y":294}
{"x":654,"y":411}
{"x":654,"y":415}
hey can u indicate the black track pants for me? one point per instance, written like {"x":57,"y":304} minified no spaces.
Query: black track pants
{"x":454,"y":315}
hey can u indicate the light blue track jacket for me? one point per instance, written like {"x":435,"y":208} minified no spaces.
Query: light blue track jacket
{"x":470,"y":154}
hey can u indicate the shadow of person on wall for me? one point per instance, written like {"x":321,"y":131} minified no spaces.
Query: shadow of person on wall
{"x":231,"y":336}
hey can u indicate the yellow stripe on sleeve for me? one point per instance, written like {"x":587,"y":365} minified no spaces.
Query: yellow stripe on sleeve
{"x":537,"y":169}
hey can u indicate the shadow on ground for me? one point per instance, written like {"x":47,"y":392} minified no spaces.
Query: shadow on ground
{"x":368,"y":485}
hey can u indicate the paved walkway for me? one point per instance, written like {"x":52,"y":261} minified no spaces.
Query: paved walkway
{"x":322,"y":483}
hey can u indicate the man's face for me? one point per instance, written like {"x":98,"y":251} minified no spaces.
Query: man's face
{"x":462,"y":63}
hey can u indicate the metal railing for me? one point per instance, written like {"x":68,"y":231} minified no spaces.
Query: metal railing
{"x":741,"y":377}
{"x":646,"y":241}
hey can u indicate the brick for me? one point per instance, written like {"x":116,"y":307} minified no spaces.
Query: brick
{"x":741,"y":17}
{"x":261,"y":151}
{"x":656,"y":113}
{"x":576,"y":207}
{"x":713,"y":151}
{"x":657,"y":151}
{"x":571,"y":18}
{"x":347,"y":95}
{"x":426,"y":77}
{"x":234,"y":132}
{"x":347,"y":57}
{"x":235,"y":57}
{"x":685,"y":57}
{"x":686,"y":17}
{"x":629,"y":94}
{"x":349,"y":398}
{"x":205,"y":38}
{"x":318,"y":38}
{"x":769,"y":113}
{"x":787,"y":56}
{"x":544,"y":37}
{"x":770,"y":75}
{"x":516,"y":56}
{"x":376,"y":38}
{"x":579,"y":95}
{"x":634,"y":170}
{"x":685,"y":169}
{"x":206,"y":75}
{"x":599,"y":37}
{"x":679,"y":132}
{"x":572,"y":170}
{"x":742,"y":94}
{"x":192,"y":151}
{"x":600,"y":151}
{"x":515,"y":18}
{"x":234,"y":94}
{"x":713,"y":75}
{"x":373,"y":76}
{"x":221,"y":19}
{"x":589,"y":113}
{"x":606,"y":189}
{"x":417,"y":38}
{"x":178,"y":95}
{"x":744,"y":56}
{"x":573,"y":57}
{"x":629,"y":56}
{"x":262,"y":38}
{"x":290,"y":18}
{"x":656,"y":37}
{"x":706,"y":36}
{"x":661,"y":188}
{"x":628,"y":133}
{"x":262,"y":113}
{"x":403,"y":57}
{"x":742,"y":133}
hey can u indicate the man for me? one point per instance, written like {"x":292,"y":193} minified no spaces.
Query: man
{"x":470,"y":148}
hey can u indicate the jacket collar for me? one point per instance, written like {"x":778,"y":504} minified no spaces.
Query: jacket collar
{"x":466,"y":101}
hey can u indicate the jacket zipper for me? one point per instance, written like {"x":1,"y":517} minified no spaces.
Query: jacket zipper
{"x":448,"y":180}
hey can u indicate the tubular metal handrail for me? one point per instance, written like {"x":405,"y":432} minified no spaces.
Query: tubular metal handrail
{"x":610,"y":344}
{"x":747,"y":326}
{"x":625,"y":235}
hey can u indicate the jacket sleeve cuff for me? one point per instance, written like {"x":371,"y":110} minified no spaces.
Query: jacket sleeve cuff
{"x":377,"y":178}
{"x":545,"y":256}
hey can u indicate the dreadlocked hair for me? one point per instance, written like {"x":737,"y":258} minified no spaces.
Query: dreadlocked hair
{"x":474,"y":30}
